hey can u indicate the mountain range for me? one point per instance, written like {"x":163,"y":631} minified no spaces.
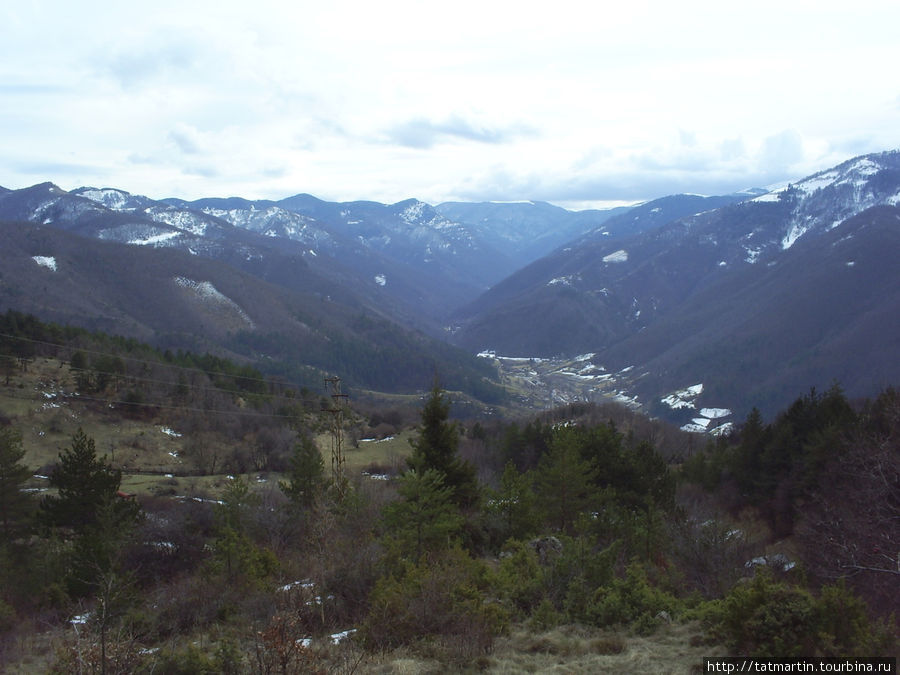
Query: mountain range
{"x":757,"y":295}
{"x":755,"y":300}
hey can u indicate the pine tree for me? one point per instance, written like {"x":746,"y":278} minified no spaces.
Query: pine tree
{"x":15,"y":505}
{"x":306,"y":474}
{"x":234,"y":552}
{"x":436,"y":448}
{"x":513,"y":505}
{"x":424,"y":519}
{"x":565,"y":481}
{"x":754,"y":436}
{"x":85,"y":484}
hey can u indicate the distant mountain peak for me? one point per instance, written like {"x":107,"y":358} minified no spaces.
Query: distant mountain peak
{"x":824,"y":199}
{"x":754,"y":295}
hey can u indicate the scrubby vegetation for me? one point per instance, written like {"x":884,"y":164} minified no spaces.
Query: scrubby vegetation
{"x":184,"y":519}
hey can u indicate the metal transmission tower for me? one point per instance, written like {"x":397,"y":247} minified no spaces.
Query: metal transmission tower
{"x":338,"y":402}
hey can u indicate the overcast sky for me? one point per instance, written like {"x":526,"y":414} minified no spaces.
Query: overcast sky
{"x":575,"y":103}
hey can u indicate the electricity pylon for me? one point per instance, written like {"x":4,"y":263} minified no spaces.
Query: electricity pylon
{"x":338,"y":403}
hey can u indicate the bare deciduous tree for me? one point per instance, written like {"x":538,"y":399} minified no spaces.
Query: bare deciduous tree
{"x":851,"y":526}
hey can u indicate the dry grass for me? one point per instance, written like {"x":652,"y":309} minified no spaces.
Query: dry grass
{"x":153,"y":462}
{"x":48,"y":422}
{"x":390,"y":453}
{"x":569,"y":650}
{"x":573,"y":650}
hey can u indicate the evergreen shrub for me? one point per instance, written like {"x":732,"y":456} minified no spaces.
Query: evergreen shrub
{"x":770,"y":618}
{"x":631,"y":600}
{"x":438,"y":598}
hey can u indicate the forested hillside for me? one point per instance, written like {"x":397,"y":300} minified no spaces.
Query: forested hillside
{"x":283,"y":317}
{"x":172,"y":512}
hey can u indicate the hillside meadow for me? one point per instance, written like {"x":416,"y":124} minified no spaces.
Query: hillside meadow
{"x":179,"y":514}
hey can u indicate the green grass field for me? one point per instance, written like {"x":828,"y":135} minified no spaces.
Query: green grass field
{"x":150,"y":454}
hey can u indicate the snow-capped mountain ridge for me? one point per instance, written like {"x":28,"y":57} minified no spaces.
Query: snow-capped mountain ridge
{"x":740,"y":287}
{"x":274,"y":221}
{"x":847,"y":189}
{"x":114,"y":198}
{"x":637,"y":287}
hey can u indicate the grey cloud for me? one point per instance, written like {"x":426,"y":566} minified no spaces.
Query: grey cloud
{"x":143,"y":159}
{"x":782,"y":150}
{"x":633,"y":184}
{"x":733,"y":148}
{"x":423,"y":133}
{"x":274,"y":172}
{"x":201,"y":170}
{"x":184,"y":142}
{"x":857,"y":145}
{"x":161,"y":54}
{"x":47,"y":170}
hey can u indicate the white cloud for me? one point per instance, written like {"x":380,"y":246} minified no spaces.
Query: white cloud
{"x":564,"y":102}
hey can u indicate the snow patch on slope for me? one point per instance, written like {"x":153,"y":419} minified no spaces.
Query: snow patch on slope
{"x":568,"y":280}
{"x":108,"y":197}
{"x":715,"y":413}
{"x":208,"y":293}
{"x":45,"y":261}
{"x":182,"y":219}
{"x":155,"y":239}
{"x":696,"y":425}
{"x":683,"y":398}
{"x":723,"y":429}
{"x":413,"y":213}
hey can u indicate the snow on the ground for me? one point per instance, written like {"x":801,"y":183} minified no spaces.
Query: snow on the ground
{"x":797,"y":230}
{"x":343,"y":635}
{"x":200,"y":499}
{"x":694,"y":428}
{"x":773,"y":196}
{"x":491,"y":354}
{"x":619,"y":256}
{"x":723,"y":429}
{"x":715,"y":413}
{"x":752,"y":254}
{"x":626,"y":400}
{"x":45,"y":261}
{"x":206,"y":292}
{"x":683,"y":398}
{"x":413,"y":212}
{"x":154,"y":239}
{"x":567,"y":280}
{"x":302,"y":583}
{"x":109,"y":197}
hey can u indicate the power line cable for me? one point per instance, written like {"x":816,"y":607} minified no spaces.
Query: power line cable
{"x":79,"y":397}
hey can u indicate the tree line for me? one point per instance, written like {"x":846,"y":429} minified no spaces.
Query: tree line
{"x":567,"y":519}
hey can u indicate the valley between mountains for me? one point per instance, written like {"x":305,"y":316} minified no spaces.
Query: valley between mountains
{"x":747,"y":298}
{"x":603,"y":441}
